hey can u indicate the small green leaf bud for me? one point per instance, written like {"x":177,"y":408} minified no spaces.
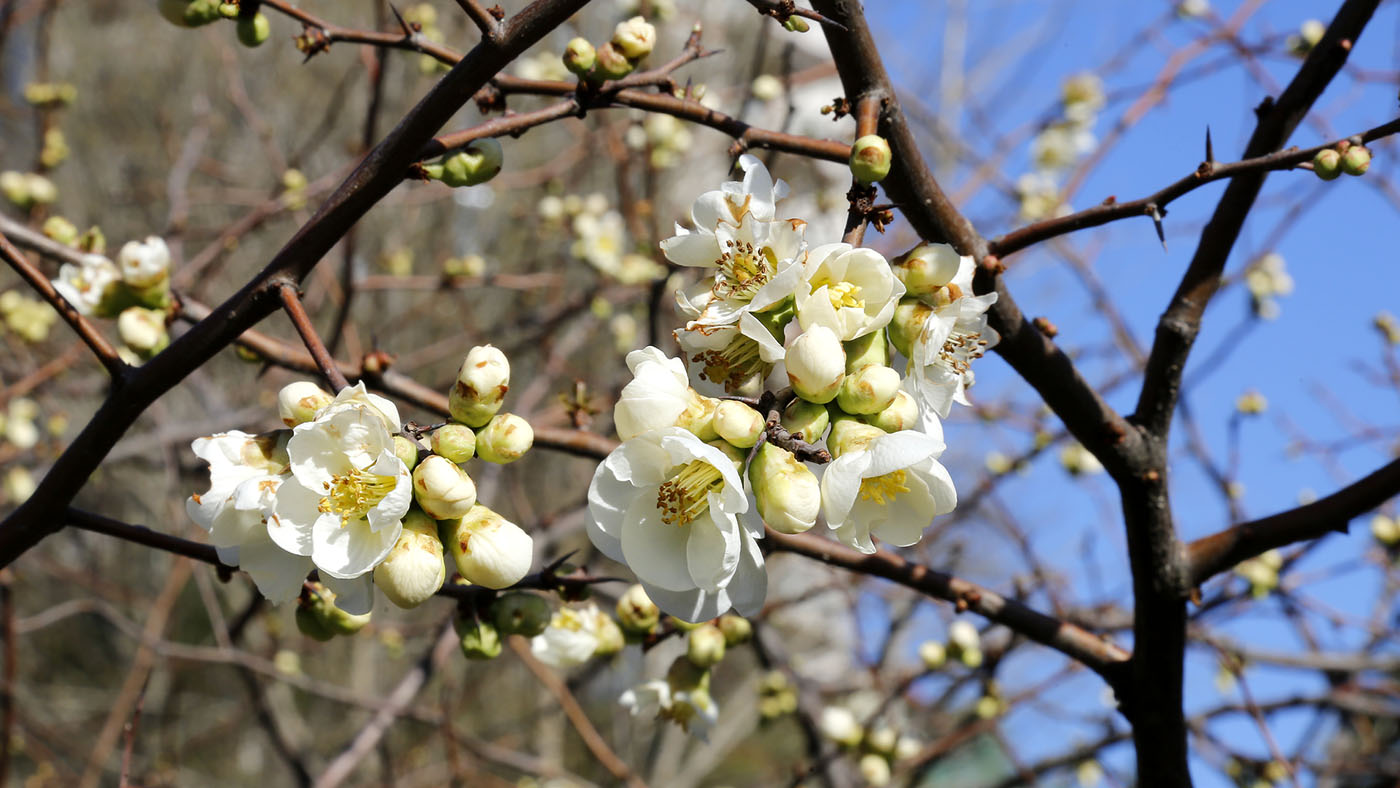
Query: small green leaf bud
{"x":816,"y":364}
{"x":1327,"y":164}
{"x":705,"y":646}
{"x":932,"y":654}
{"x":202,"y":12}
{"x":807,"y":418}
{"x":634,"y":38}
{"x":406,"y":450}
{"x":519,"y":613}
{"x":414,"y":570}
{"x":610,"y":63}
{"x":796,"y":24}
{"x":737,"y":629}
{"x":480,"y":640}
{"x":478,"y":163}
{"x":456,"y":442}
{"x":870,"y":159}
{"x":253,"y":30}
{"x":481,"y":386}
{"x":143,"y":330}
{"x":505,"y":438}
{"x":579,"y":56}
{"x":489,"y":550}
{"x":868,"y":391}
{"x":443,"y":489}
{"x":636,"y":612}
{"x":61,"y":230}
{"x":927,"y":267}
{"x":908,"y":323}
{"x":902,"y":414}
{"x":298,"y":402}
{"x":738,"y":423}
{"x":787,"y":492}
{"x":1356,"y":160}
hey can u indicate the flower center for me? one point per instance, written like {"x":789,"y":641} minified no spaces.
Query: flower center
{"x":844,"y":295}
{"x":352,"y":494}
{"x":880,"y":488}
{"x":732,"y":365}
{"x":567,"y":619}
{"x":686,"y":496}
{"x":743,"y":270}
{"x":961,"y":349}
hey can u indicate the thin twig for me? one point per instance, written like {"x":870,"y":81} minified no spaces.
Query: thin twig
{"x":291,"y":302}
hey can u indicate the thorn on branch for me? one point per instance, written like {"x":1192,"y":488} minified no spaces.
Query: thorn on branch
{"x":1157,"y":214}
{"x":1210,"y":150}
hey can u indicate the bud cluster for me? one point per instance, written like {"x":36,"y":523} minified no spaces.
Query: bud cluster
{"x":632,"y":40}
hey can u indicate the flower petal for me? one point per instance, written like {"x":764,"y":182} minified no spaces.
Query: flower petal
{"x":712,"y":551}
{"x":654,"y":550}
{"x":350,"y":549}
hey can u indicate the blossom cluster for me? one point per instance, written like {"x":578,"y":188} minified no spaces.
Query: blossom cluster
{"x":342,"y":490}
{"x":135,"y":290}
{"x":787,"y":363}
{"x":1059,"y":145}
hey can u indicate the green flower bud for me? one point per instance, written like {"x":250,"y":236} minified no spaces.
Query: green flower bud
{"x":481,"y":386}
{"x":298,"y":403}
{"x":610,"y":63}
{"x":787,"y":492}
{"x":1386,"y":530}
{"x":875,"y":770}
{"x":705,"y":646}
{"x":636,"y":612}
{"x":406,"y":450}
{"x":143,"y":330}
{"x":1327,"y":164}
{"x":414,"y":570}
{"x":228,"y":10}
{"x":478,"y":163}
{"x":456,"y":442}
{"x":738,"y":423}
{"x":609,"y":636}
{"x":321,"y":602}
{"x":41,"y":189}
{"x":634,"y":38}
{"x":686,"y":676}
{"x":504,"y":439}
{"x":61,"y":230}
{"x":796,"y":24}
{"x":848,"y":434}
{"x":519,"y":613}
{"x":1356,"y":160}
{"x":699,"y":416}
{"x":737,"y":629}
{"x":202,"y":12}
{"x":907,"y":323}
{"x":868,"y":391}
{"x":932,"y":654}
{"x":480,"y":640}
{"x":308,"y":623}
{"x":816,"y":364}
{"x":870,"y":159}
{"x":927,"y":268}
{"x":15,"y":187}
{"x":579,"y":56}
{"x":489,"y":550}
{"x":870,"y":350}
{"x":253,"y":30}
{"x":806,"y":418}
{"x":882,"y":740}
{"x":972,"y":658}
{"x":902,"y":414}
{"x":442,"y":488}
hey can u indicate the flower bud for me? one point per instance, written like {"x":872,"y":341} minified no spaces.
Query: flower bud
{"x":972,"y":658}
{"x":868,"y":391}
{"x":636,"y":612}
{"x":308,"y":623}
{"x":298,"y":403}
{"x":902,"y":414}
{"x":927,"y":268}
{"x":908,"y":323}
{"x":329,"y":618}
{"x":816,"y":364}
{"x":519,"y":613}
{"x":1079,"y":461}
{"x":414,"y":570}
{"x":478,"y":163}
{"x":610,"y":63}
{"x":787,"y":492}
{"x":870,"y":159}
{"x":41,"y":189}
{"x":699,"y":416}
{"x":579,"y":56}
{"x":686,"y":676}
{"x":963,"y":636}
{"x":444,"y":490}
{"x":1356,"y":160}
{"x":882,"y":740}
{"x":173,"y":11}
{"x":738,"y":423}
{"x":15,"y":188}
{"x":1327,"y":164}
{"x":480,"y":640}
{"x":505,"y":438}
{"x":201,"y":12}
{"x":253,"y":30}
{"x":705,"y":646}
{"x":634,"y":38}
{"x":796,"y":24}
{"x":456,"y":442}
{"x":19,"y":484}
{"x":875,"y":770}
{"x":228,"y":10}
{"x":407,"y":451}
{"x":683,"y":625}
{"x":1251,"y":403}
{"x":610,"y":639}
{"x":1386,"y":530}
{"x":737,"y":629}
{"x":907,"y":747}
{"x":867,"y":351}
{"x":848,"y":435}
{"x":143,"y":330}
{"x":988,"y":707}
{"x":808,"y":419}
{"x":489,"y":550}
{"x":481,"y":385}
{"x":932,"y":654}
{"x":839,"y":724}
{"x":61,"y":230}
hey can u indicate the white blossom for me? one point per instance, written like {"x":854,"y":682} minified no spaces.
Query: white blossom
{"x":83,"y":285}
{"x":694,"y":710}
{"x":658,"y":396}
{"x":889,"y":485}
{"x":571,"y":637}
{"x":953,"y":336}
{"x":144,"y":264}
{"x":756,"y":196}
{"x":852,"y":291}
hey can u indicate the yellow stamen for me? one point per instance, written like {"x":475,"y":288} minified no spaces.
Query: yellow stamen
{"x":731,"y":366}
{"x":878,"y":488}
{"x":352,"y":494}
{"x":842,"y":294}
{"x":685,"y":496}
{"x":743,"y":270}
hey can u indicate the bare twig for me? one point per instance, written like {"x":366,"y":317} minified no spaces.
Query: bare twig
{"x":291,"y":302}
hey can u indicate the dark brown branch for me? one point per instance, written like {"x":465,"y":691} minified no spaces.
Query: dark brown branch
{"x":1218,"y":552}
{"x":291,"y":302}
{"x":488,"y":23}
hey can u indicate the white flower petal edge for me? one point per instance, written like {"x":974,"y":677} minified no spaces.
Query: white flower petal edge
{"x":570,"y":639}
{"x":83,"y":285}
{"x":852,"y":291}
{"x":952,"y":338}
{"x":892,"y":489}
{"x":756,"y":196}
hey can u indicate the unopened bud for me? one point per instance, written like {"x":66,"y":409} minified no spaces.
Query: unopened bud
{"x":1386,"y":530}
{"x":407,"y":451}
{"x":173,"y":11}
{"x":610,"y":639}
{"x":61,"y":230}
{"x":414,"y":570}
{"x":868,"y":391}
{"x":1327,"y":164}
{"x":456,"y":442}
{"x":882,"y":740}
{"x":737,"y":629}
{"x":201,"y":12}
{"x":816,"y":364}
{"x":143,"y":330}
{"x":253,"y":30}
{"x":41,"y":189}
{"x":610,"y":63}
{"x":902,"y":414}
{"x":481,"y":386}
{"x":839,"y":724}
{"x":636,"y":612}
{"x":15,"y":187}
{"x":634,"y":38}
{"x":579,"y":56}
{"x":875,"y":770}
{"x":444,"y":490}
{"x":848,"y":435}
{"x":738,"y":423}
{"x":479,"y":639}
{"x":489,"y":550}
{"x":1356,"y":160}
{"x":807,"y":418}
{"x":870,"y":159}
{"x":963,"y":636}
{"x":787,"y":492}
{"x":932,"y":654}
{"x":796,"y":24}
{"x":328,"y":618}
{"x":866,"y":351}
{"x":907,"y":323}
{"x":705,"y":646}
{"x":519,"y":613}
{"x":504,"y":439}
{"x":478,"y":163}
{"x":927,"y":268}
{"x":144,"y":264}
{"x":298,"y":402}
